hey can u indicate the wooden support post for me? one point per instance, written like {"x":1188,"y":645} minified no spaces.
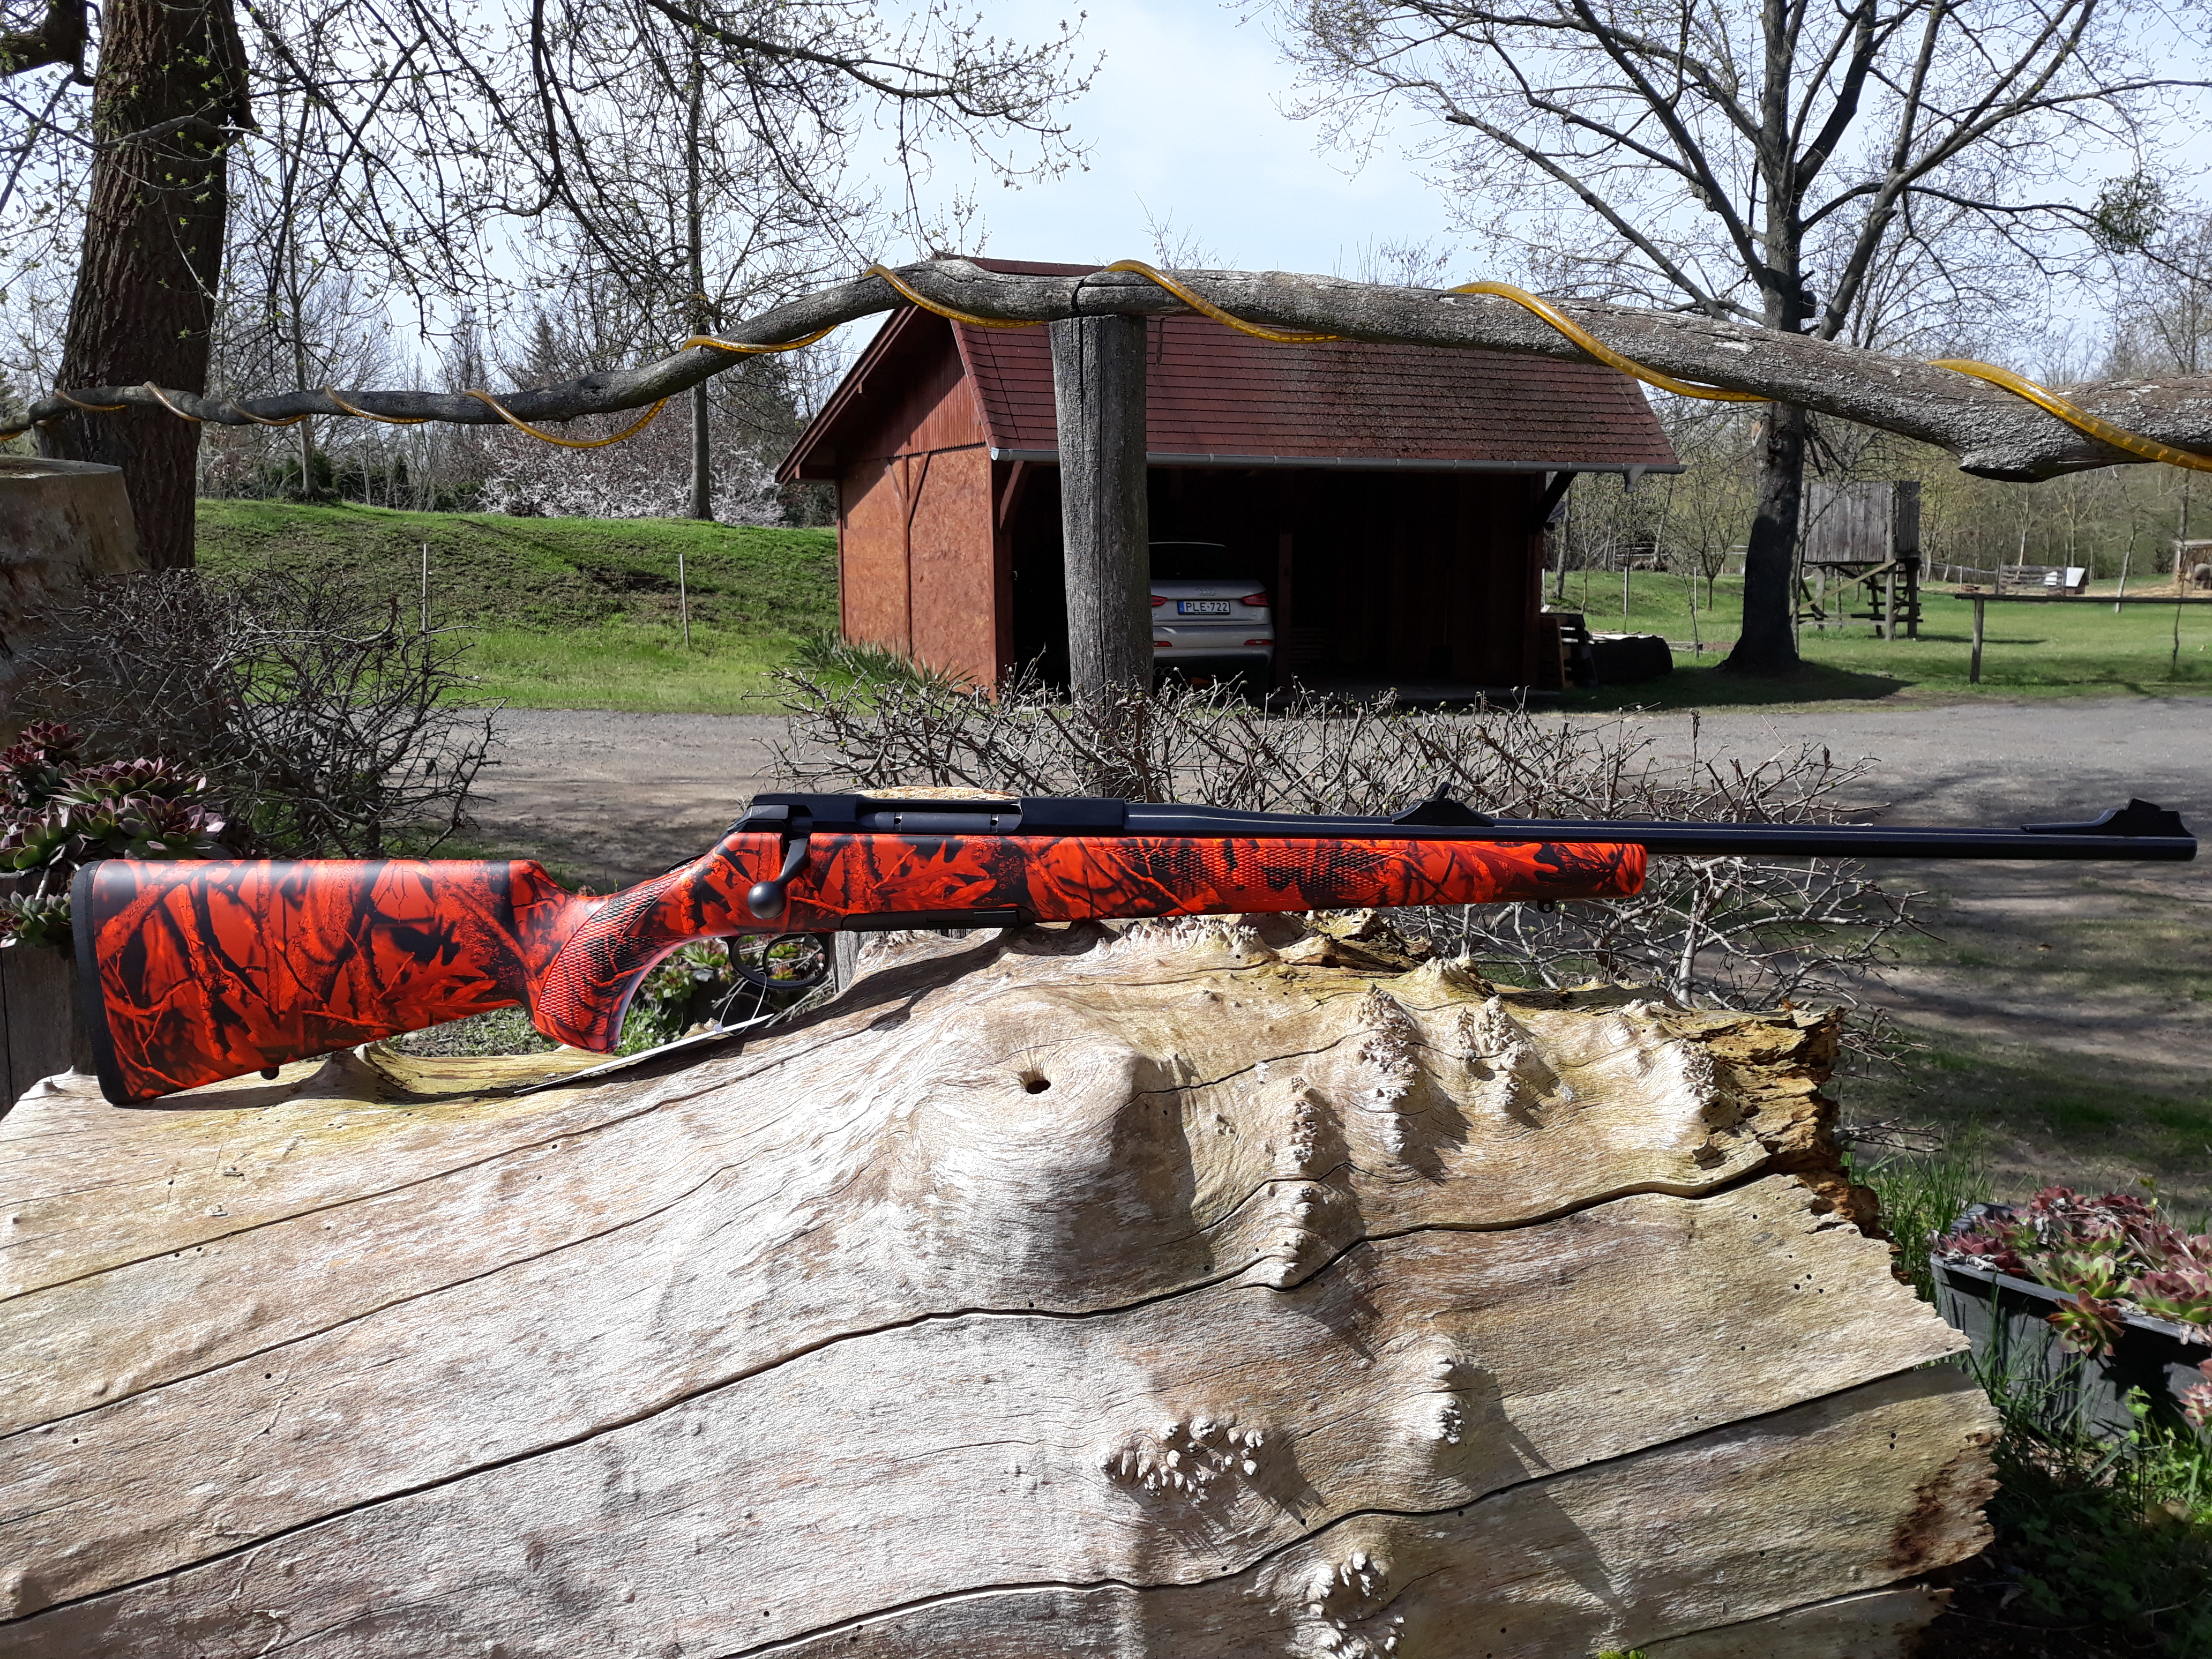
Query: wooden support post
{"x":1889,"y":603}
{"x":1974,"y":662}
{"x":1098,"y":392}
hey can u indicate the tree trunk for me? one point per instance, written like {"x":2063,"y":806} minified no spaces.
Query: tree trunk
{"x":695,"y":226}
{"x":1098,"y":395}
{"x":1768,"y":643}
{"x":1179,"y":1288}
{"x":153,"y":251}
{"x":702,"y":457}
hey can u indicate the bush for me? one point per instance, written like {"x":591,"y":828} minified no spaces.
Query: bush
{"x":1728,"y":932}
{"x":331,"y":729}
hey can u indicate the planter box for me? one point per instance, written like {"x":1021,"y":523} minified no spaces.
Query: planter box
{"x":2004,"y":1318}
{"x":38,"y":1031}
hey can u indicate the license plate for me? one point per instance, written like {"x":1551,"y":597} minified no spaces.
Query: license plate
{"x":1201,"y":607}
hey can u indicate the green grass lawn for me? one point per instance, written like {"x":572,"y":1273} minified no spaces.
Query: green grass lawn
{"x":582,"y":613}
{"x":2028,"y":650}
{"x":568,"y":613}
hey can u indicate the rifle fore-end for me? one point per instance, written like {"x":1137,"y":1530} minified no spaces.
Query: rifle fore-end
{"x":196,"y":972}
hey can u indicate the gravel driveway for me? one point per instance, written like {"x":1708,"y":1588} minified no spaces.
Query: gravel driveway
{"x":621,"y":796}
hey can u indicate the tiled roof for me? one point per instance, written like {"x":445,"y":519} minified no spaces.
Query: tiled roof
{"x":1212,"y":391}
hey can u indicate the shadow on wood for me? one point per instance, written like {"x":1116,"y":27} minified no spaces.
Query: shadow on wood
{"x":1184,"y":1289}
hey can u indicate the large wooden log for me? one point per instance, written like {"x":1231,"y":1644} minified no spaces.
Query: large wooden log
{"x":62,"y":525}
{"x":1178,"y":1289}
{"x":1990,"y":432}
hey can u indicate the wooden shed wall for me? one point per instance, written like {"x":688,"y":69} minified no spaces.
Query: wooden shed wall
{"x":917,"y":566}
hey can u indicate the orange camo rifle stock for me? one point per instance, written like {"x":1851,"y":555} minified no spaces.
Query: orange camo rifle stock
{"x":191,"y":973}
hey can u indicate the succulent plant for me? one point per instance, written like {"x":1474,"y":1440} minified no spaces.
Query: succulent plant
{"x":58,"y":813}
{"x":2196,"y":1398}
{"x":2182,"y":1295}
{"x":2112,"y":1255}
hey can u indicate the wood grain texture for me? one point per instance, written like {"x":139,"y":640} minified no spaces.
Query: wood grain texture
{"x":1098,"y":395}
{"x":1087,"y":1290}
{"x":1875,"y":1621}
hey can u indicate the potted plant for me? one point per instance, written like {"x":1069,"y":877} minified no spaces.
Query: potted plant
{"x":2093,"y":1297}
{"x":59,"y":811}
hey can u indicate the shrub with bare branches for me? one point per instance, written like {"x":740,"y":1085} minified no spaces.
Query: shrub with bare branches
{"x":1724,"y":932}
{"x":330,"y":728}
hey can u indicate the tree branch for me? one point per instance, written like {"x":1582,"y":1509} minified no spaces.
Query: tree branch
{"x":1670,"y":269}
{"x":1989,"y":431}
{"x":60,"y":38}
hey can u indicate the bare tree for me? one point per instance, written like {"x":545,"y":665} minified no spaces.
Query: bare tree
{"x":2163,"y":316}
{"x":289,"y":309}
{"x":681,"y":213}
{"x":441,"y":128}
{"x":1766,"y":160}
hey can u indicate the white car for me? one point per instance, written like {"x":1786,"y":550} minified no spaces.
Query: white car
{"x":1206,"y":617}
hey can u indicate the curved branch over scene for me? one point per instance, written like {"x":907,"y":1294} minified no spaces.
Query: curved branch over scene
{"x":1990,"y":432}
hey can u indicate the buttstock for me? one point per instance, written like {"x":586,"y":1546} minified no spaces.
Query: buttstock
{"x":192,"y":972}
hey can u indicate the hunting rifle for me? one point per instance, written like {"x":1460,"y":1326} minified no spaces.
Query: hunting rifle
{"x":192,"y":972}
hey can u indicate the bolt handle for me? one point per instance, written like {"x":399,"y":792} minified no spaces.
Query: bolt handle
{"x":768,"y":899}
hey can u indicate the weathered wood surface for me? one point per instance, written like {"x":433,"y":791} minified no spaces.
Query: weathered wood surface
{"x":1099,"y":399}
{"x":1991,"y":431}
{"x":1065,"y":1292}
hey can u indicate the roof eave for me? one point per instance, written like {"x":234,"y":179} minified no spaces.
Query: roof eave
{"x":1629,"y":469}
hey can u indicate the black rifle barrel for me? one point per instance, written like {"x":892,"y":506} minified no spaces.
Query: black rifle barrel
{"x":2138,"y":830}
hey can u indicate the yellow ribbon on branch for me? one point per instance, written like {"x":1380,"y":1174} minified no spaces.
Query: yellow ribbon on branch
{"x":2133,"y":443}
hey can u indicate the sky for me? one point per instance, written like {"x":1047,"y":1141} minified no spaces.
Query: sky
{"x":1185,"y":126}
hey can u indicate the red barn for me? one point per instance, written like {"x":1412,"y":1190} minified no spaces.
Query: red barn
{"x":1392,"y":497}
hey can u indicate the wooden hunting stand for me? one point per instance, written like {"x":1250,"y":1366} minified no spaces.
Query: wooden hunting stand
{"x":1866,"y":535}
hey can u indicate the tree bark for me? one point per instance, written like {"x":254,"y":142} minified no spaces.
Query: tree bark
{"x":1194,"y":1288}
{"x":703,"y":456}
{"x":1098,"y":393}
{"x":1768,"y":643}
{"x":145,"y":301}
